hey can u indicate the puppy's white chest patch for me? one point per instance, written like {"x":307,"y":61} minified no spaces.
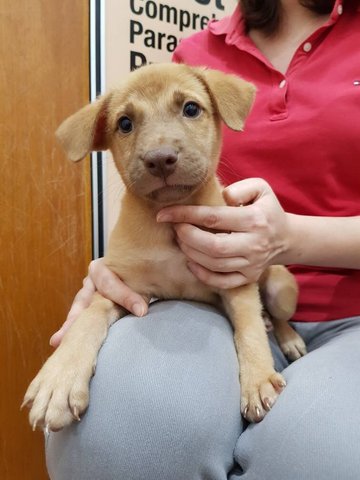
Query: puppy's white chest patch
{"x":163,"y":273}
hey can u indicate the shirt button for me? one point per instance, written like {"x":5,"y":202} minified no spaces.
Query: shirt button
{"x":340,"y":9}
{"x":307,"y":47}
{"x":282,"y":84}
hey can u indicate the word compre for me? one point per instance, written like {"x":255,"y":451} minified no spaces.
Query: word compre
{"x":183,"y":19}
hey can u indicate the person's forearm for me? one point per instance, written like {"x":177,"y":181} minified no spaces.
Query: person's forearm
{"x":322,"y":241}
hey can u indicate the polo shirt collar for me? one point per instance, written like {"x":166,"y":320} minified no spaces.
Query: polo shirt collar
{"x":233,"y":27}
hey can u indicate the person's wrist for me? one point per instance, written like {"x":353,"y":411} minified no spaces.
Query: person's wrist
{"x":286,"y":246}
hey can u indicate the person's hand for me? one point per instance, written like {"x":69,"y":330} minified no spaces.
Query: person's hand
{"x":256,"y":227}
{"x":100,"y":278}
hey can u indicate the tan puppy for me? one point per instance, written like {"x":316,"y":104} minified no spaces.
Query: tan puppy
{"x":163,"y":127}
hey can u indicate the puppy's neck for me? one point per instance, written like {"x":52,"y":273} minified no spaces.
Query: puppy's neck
{"x":208,"y":194}
{"x":137,"y":226}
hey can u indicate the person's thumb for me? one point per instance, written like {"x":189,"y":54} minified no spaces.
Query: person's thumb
{"x":245,"y":192}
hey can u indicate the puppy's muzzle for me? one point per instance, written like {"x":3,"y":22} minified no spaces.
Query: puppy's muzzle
{"x":161,"y":162}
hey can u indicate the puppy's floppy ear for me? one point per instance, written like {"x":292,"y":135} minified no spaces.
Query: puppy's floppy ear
{"x":232,"y":96}
{"x":84,"y":131}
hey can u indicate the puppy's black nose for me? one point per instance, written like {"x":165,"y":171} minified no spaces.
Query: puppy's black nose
{"x":161,"y":162}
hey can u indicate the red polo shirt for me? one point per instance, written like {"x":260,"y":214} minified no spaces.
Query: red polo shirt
{"x":302,"y":136}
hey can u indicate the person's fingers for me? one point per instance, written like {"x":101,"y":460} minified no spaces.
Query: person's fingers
{"x":222,"y":281}
{"x":245,"y":192}
{"x":221,"y":264}
{"x":81,"y":301}
{"x":110,"y":286}
{"x":226,"y":219}
{"x":218,"y":245}
{"x":56,"y":338}
{"x":75,"y":311}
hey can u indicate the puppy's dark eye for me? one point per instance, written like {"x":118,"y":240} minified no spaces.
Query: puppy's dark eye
{"x":191,"y":110}
{"x":125,"y":124}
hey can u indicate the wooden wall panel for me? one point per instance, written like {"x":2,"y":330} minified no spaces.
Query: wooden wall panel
{"x":45,"y":243}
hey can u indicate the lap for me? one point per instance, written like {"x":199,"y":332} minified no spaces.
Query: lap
{"x":164,"y":403}
{"x":313,"y":431}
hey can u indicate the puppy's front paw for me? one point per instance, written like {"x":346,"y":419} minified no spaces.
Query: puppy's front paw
{"x":258,"y":396}
{"x":59,"y":393}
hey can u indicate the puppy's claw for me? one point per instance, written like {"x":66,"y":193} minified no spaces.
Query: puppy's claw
{"x":282,"y":383}
{"x":34,"y":425}
{"x":258,"y":414}
{"x":268,"y":404}
{"x":75,"y":412}
{"x":25,"y":403}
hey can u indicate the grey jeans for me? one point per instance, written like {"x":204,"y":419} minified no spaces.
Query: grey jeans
{"x":164,"y":405}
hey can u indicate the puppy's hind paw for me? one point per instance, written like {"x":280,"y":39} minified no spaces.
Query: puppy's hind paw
{"x":293,"y":347}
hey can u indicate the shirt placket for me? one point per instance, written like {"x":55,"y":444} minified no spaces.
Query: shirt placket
{"x":281,"y":83}
{"x":278,"y":104}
